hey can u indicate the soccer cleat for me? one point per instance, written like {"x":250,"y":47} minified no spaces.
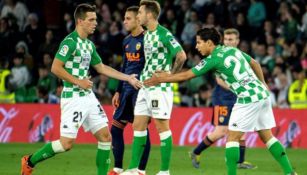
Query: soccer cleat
{"x":163,"y":173}
{"x":25,"y":168}
{"x":293,"y":173}
{"x":246,"y":165}
{"x":130,"y":172}
{"x":195,"y":159}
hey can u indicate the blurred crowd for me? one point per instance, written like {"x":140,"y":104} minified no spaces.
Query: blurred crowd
{"x":273,"y":32}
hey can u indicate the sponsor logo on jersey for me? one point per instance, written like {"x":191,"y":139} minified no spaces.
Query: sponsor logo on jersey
{"x":201,"y":65}
{"x":173,"y":42}
{"x":138,"y":46}
{"x":133,"y":56}
{"x":64,"y":50}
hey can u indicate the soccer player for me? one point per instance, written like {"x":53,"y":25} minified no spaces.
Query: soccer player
{"x":160,"y":47}
{"x":223,"y":100}
{"x":125,"y":97}
{"x":79,"y":106}
{"x":243,"y":75}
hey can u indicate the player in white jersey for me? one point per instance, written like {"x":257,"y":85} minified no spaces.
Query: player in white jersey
{"x":244,"y":77}
{"x":79,"y":106}
{"x":160,"y":47}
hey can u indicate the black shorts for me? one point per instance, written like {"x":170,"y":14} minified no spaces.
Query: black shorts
{"x":125,"y":111}
{"x":221,"y":115}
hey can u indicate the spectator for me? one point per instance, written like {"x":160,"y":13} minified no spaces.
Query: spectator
{"x":7,"y":94}
{"x":282,"y":94}
{"x":34,"y":33}
{"x":18,"y":9}
{"x":203,"y":97}
{"x":21,"y":76}
{"x":298,"y":90}
{"x":256,"y":16}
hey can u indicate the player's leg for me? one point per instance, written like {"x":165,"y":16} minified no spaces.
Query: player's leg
{"x":145,"y":156}
{"x":218,"y":132}
{"x":103,"y":152}
{"x":264,"y":124}
{"x":118,"y":145}
{"x":120,"y":120}
{"x":69,"y":119}
{"x":232,"y":151}
{"x":166,"y":140}
{"x":140,"y":124}
{"x":46,"y":152}
{"x":242,"y":164}
{"x":97,"y":123}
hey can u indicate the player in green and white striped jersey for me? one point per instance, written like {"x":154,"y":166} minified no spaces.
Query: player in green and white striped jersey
{"x":252,"y":111}
{"x":160,"y":47}
{"x":79,"y":106}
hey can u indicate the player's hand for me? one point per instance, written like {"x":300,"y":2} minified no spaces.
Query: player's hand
{"x":134,"y":81}
{"x":155,"y":79}
{"x":115,"y":100}
{"x":85,"y":83}
{"x":161,"y":73}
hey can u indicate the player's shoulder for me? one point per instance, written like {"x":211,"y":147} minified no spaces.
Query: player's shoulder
{"x":163,"y":31}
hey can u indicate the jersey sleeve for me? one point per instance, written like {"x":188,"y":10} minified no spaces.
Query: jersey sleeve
{"x":172,"y":44}
{"x":95,"y":56}
{"x":204,"y":66}
{"x":67,"y":47}
{"x":247,"y":57}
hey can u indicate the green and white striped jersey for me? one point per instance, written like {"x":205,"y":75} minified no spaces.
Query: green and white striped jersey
{"x":77,"y":54}
{"x":160,"y":47}
{"x":232,"y":65}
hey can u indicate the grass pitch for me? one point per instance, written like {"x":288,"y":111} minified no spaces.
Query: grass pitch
{"x":81,"y":161}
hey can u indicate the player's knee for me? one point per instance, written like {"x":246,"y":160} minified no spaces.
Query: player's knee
{"x":106,"y":137}
{"x":67,"y":145}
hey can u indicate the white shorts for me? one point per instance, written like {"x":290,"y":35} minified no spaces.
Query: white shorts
{"x":252,"y":117}
{"x":83,"y":111}
{"x":156,"y":103}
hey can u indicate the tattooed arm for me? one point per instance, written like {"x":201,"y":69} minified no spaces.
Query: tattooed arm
{"x":180,"y":59}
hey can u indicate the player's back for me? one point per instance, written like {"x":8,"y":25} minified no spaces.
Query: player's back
{"x":232,"y":66}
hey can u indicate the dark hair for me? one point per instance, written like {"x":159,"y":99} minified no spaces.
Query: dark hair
{"x":209,"y":34}
{"x":133,"y":9}
{"x":152,"y":6}
{"x":82,"y":9}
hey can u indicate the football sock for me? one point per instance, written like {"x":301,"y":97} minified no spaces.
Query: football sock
{"x":242,"y":151}
{"x":203,"y":145}
{"x":47,"y":151}
{"x":232,"y":157}
{"x":103,"y":158}
{"x":279,"y":153}
{"x":118,"y":146}
{"x":166,"y":149}
{"x":145,"y":156}
{"x":138,"y":145}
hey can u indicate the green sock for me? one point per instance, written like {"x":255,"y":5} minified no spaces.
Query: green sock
{"x":103,"y":158}
{"x":166,"y":151}
{"x":279,"y":153}
{"x":138,"y":145}
{"x":42,"y":154}
{"x":232,"y":157}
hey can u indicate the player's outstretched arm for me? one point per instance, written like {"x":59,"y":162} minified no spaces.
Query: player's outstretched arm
{"x":57,"y":69}
{"x":110,"y":72}
{"x":180,"y":59}
{"x":258,"y":71}
{"x":158,"y":78}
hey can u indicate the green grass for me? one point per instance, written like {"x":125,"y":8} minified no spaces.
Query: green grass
{"x":81,"y":161}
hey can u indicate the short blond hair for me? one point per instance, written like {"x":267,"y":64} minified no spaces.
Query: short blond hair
{"x":152,"y":6}
{"x":232,"y":31}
